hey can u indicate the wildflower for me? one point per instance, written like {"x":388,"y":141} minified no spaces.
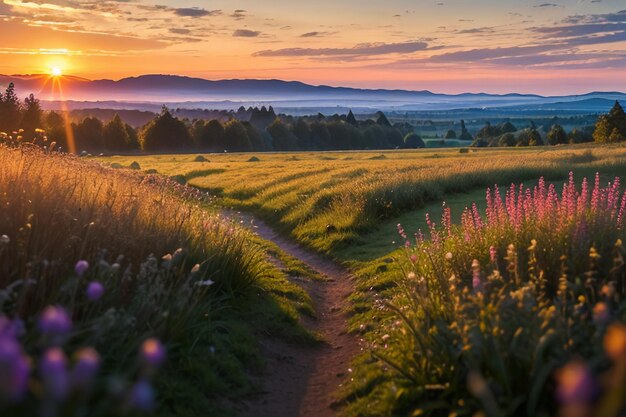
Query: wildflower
{"x":14,"y":370}
{"x":601,"y":313}
{"x":413,"y":258}
{"x":576,"y":384}
{"x":205,"y":283}
{"x":54,"y":374}
{"x":411,"y":275}
{"x":86,"y":368}
{"x":55,"y":321}
{"x":476,"y":281}
{"x":615,"y":341}
{"x":152,"y":352}
{"x":195,"y":268}
{"x":95,"y":290}
{"x":142,"y":396}
{"x":5,"y":240}
{"x":493,"y":254}
{"x":449,"y":256}
{"x":608,"y":290}
{"x":80,"y":268}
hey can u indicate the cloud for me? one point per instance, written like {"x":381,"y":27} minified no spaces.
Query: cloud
{"x":239,"y":14}
{"x":195,"y":12}
{"x":546,"y":5}
{"x":180,"y":31}
{"x":585,"y":29}
{"x":475,"y":30}
{"x":5,"y":9}
{"x":366,"y":49}
{"x":246,"y":33}
{"x":316,"y":34}
{"x":19,"y":35}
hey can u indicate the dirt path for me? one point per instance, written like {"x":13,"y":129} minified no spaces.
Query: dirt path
{"x":301,"y":381}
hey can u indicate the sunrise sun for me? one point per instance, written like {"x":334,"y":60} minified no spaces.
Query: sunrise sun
{"x":56,"y":71}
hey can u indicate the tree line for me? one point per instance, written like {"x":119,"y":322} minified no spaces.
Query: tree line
{"x":258,"y":130}
{"x":609,"y":128}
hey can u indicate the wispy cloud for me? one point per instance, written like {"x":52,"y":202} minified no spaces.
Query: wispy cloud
{"x":366,"y":49}
{"x":246,"y":33}
{"x":195,"y":12}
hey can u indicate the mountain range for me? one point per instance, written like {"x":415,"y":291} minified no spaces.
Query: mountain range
{"x":187,"y":92}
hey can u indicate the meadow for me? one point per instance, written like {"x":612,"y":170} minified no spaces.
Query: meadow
{"x":513,"y":310}
{"x":125,"y":289}
{"x":125,"y":293}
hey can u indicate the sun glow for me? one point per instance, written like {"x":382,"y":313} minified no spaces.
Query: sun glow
{"x":56,"y":71}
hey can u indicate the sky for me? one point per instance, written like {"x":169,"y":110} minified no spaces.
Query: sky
{"x":448,"y":46}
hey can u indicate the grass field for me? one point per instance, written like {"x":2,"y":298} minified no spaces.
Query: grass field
{"x":357,"y":192}
{"x":348,"y":205}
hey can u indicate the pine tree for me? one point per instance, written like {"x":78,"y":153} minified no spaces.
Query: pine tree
{"x":351,"y":119}
{"x":32,"y":118}
{"x":465,"y":134}
{"x":10,"y":110}
{"x":115,"y":135}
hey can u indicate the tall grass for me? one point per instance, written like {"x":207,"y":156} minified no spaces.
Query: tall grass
{"x":517,"y":311}
{"x":108,"y":260}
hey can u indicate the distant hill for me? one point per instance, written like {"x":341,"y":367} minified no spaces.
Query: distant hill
{"x":148,"y":91}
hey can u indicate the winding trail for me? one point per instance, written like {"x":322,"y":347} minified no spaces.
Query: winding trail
{"x":301,"y":381}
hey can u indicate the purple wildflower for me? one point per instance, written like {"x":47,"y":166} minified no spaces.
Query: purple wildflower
{"x":54,"y":374}
{"x":493,"y":254}
{"x":55,"y":321}
{"x":95,"y":290}
{"x":80,"y":268}
{"x":142,"y":396}
{"x":152,"y":352}
{"x":14,"y":370}
{"x":86,"y":368}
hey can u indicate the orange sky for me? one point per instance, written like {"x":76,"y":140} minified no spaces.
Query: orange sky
{"x":446,"y":46}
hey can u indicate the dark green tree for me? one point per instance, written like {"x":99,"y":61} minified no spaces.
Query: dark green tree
{"x":88,"y":135}
{"x":54,"y":124}
{"x":165,"y":133}
{"x":508,"y":139}
{"x":256,"y":138}
{"x":282,"y":138}
{"x":450,"y":134}
{"x":351,"y":119}
{"x":465,"y":134}
{"x":557,"y":135}
{"x":382,"y":120}
{"x":115,"y":135}
{"x":236,"y":137}
{"x":10,"y":110}
{"x":611,"y":127}
{"x":32,"y":117}
{"x":413,"y":141}
{"x":303,"y":132}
